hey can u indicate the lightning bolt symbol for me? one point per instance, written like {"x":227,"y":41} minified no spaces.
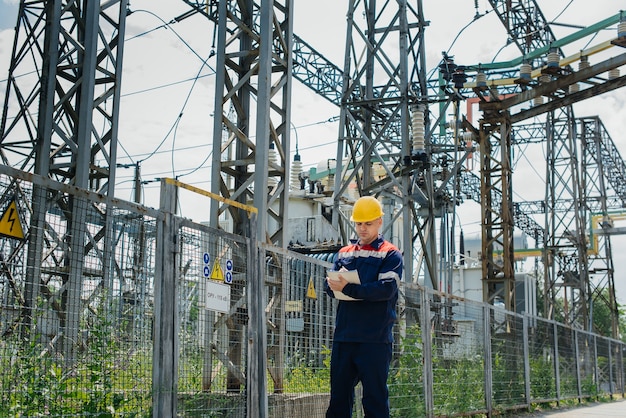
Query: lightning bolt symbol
{"x":11,"y":219}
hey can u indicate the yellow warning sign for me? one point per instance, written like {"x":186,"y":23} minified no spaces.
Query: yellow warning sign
{"x":310,"y":292}
{"x":10,"y":224}
{"x":217,"y":273}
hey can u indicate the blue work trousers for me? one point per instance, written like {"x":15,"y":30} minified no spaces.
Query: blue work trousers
{"x":354,"y":362}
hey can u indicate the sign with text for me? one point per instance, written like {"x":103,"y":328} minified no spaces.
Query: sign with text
{"x":217,"y":296}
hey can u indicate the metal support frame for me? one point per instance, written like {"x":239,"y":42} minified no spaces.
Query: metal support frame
{"x":64,"y":70}
{"x":532,"y":36}
{"x":525,"y":23}
{"x":251,"y":129}
{"x":374,"y":117}
{"x":565,"y":252}
{"x":74,"y":137}
{"x":595,"y":154}
{"x":566,"y":236}
{"x":166,"y":283}
{"x":496,"y":210}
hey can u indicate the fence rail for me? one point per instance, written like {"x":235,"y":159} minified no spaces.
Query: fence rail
{"x":166,"y":327}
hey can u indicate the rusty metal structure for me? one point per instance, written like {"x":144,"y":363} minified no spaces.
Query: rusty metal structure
{"x":61,"y":121}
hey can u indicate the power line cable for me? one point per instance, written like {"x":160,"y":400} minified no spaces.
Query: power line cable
{"x":475,"y":18}
{"x":157,"y":175}
{"x":195,"y":79}
{"x":162,"y":86}
{"x":174,"y":137}
{"x":167,"y":25}
{"x":564,"y":10}
{"x":193,"y":147}
{"x":204,"y":63}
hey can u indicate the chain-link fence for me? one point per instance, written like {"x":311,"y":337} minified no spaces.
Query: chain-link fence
{"x":77,"y":301}
{"x":156,"y":315}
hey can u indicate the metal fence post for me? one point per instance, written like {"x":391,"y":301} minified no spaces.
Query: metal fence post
{"x":526,"y":348}
{"x":257,"y":333}
{"x":165,"y":349}
{"x":610,"y":370}
{"x":595,"y":364}
{"x":429,"y":403}
{"x":579,"y":386}
{"x":557,"y":367}
{"x":620,"y":367}
{"x":487,"y":359}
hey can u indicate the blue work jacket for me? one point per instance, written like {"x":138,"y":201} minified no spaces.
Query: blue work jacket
{"x":369,"y":319}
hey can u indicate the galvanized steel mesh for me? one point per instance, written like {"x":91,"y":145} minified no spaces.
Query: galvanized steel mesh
{"x":451,"y":356}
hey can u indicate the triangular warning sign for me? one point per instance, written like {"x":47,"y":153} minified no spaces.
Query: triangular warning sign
{"x":10,"y":225}
{"x":310,"y":292}
{"x":217,"y":273}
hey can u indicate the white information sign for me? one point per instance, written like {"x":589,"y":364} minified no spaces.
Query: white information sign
{"x":217,"y":296}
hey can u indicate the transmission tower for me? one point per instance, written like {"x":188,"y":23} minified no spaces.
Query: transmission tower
{"x":65,"y":128}
{"x":384,"y":88}
{"x":566,"y":238}
{"x":65,"y":64}
{"x":252,"y":112}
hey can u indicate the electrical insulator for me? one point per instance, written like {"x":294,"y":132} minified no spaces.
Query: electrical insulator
{"x":447,"y":68}
{"x":584,"y":63}
{"x":621,"y":29}
{"x":459,"y":77}
{"x":296,"y":169}
{"x":553,"y":59}
{"x":524,"y":71}
{"x":544,"y":78}
{"x":417,"y":128}
{"x":481,"y":79}
{"x":272,"y":157}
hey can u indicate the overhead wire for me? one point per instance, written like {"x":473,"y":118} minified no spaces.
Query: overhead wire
{"x":567,"y":6}
{"x":475,"y":18}
{"x":180,"y":117}
{"x":169,"y":27}
{"x":176,"y":123}
{"x":162,"y":86}
{"x":204,"y":64}
{"x":195,"y":79}
{"x":563,"y":11}
{"x":157,"y":175}
{"x":317,"y":145}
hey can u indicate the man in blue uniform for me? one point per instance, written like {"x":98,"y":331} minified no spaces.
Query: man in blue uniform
{"x":363,"y":338}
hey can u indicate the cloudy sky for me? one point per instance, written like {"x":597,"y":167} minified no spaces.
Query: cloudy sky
{"x":167,"y":90}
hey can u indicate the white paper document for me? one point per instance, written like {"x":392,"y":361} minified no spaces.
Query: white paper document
{"x":352,"y":276}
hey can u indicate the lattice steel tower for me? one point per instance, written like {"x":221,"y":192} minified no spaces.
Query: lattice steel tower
{"x":65,"y":78}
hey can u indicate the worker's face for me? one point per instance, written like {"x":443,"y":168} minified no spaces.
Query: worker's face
{"x":368,"y":231}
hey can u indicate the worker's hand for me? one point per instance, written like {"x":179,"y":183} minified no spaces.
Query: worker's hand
{"x":338,"y":284}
